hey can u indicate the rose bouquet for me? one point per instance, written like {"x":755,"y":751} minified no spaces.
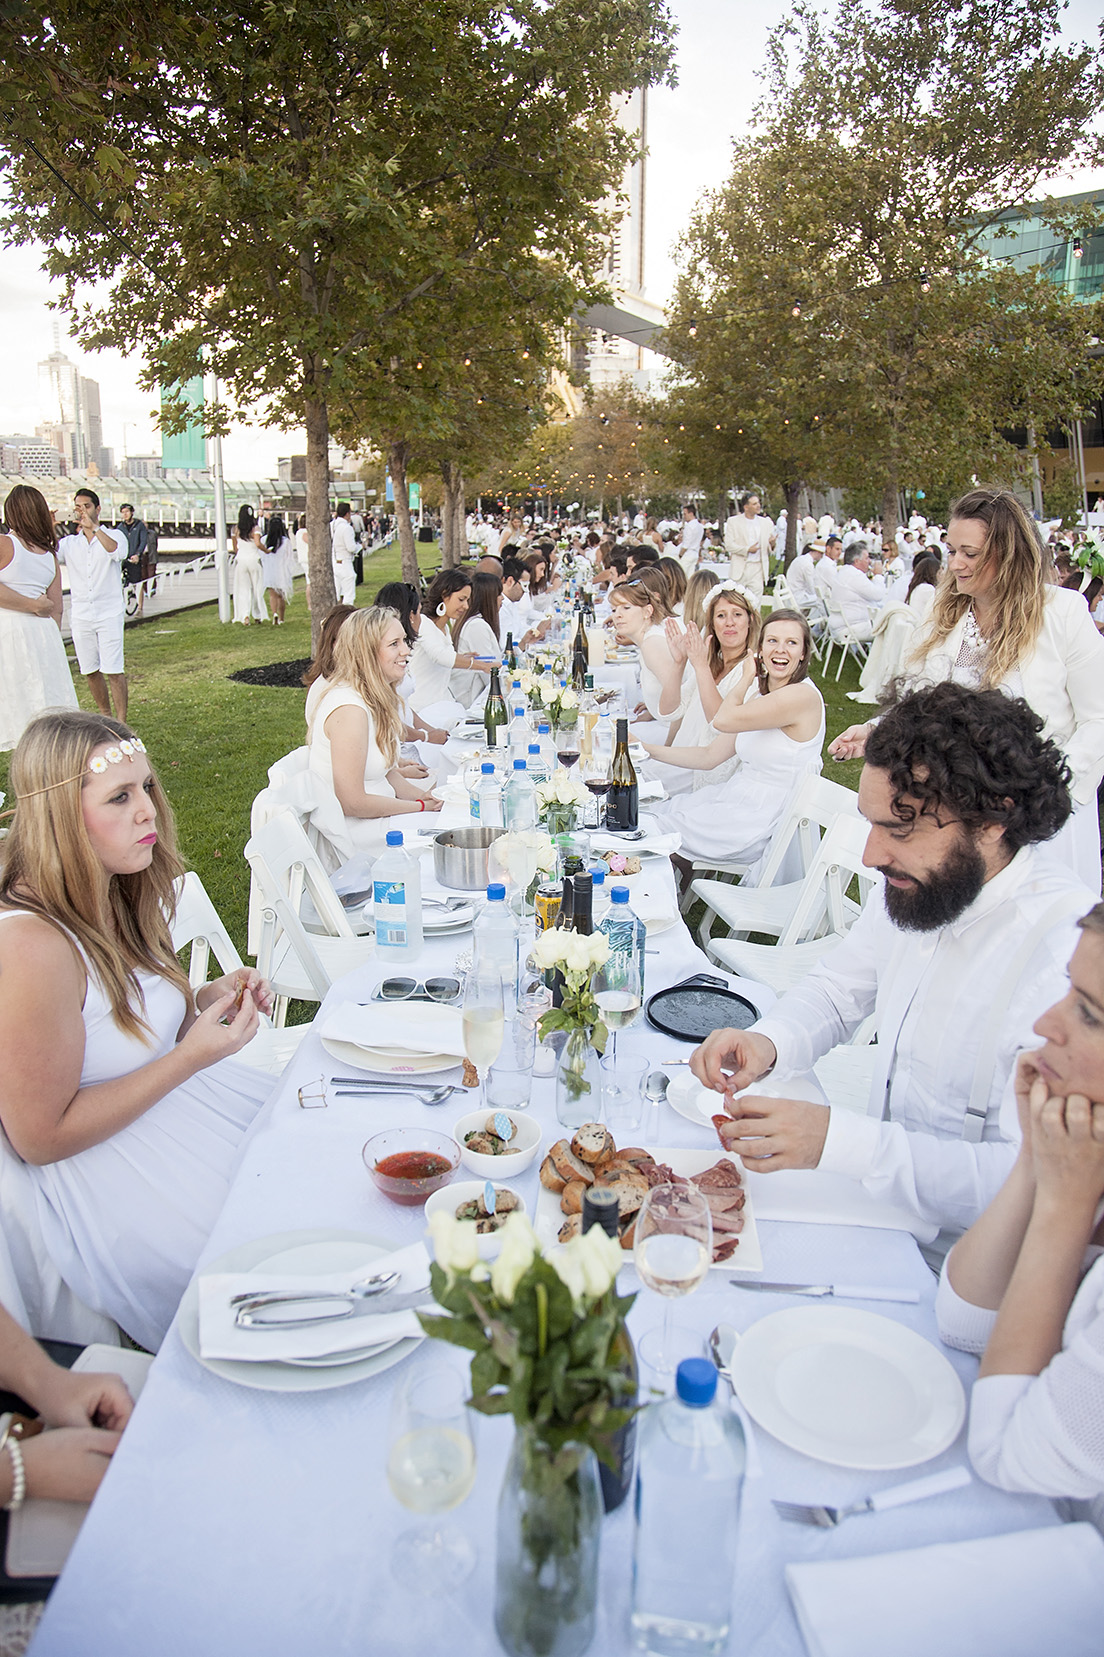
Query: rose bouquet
{"x":526,"y":857}
{"x":558,"y":801}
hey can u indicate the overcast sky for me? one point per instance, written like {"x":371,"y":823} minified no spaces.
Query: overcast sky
{"x":690,"y":131}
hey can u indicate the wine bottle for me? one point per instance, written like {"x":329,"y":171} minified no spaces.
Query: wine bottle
{"x":582,"y":908}
{"x":580,"y":655}
{"x":622,"y":800}
{"x":495,"y":717}
{"x":554,"y":978}
{"x":510,"y":653}
{"x":600,"y":1208}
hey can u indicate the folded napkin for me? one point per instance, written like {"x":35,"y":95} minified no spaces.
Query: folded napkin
{"x":1018,"y":1595}
{"x":654,"y":908}
{"x":220,"y":1337}
{"x":653,"y":841}
{"x":650,"y":788}
{"x":397,"y":1026}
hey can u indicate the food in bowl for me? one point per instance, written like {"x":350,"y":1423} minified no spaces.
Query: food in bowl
{"x":409,"y":1164}
{"x":493,"y":1139}
{"x":475,"y":1208}
{"x":490,"y":1153}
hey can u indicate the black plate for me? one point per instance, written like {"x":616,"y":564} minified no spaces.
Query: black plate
{"x":692,"y":1010}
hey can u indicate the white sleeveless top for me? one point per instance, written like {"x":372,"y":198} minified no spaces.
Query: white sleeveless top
{"x":29,"y":573}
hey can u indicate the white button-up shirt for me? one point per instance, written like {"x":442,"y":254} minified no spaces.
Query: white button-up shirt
{"x":802,"y":578}
{"x":932,"y":994}
{"x":342,"y":541}
{"x":95,"y":578}
{"x":856,"y":596}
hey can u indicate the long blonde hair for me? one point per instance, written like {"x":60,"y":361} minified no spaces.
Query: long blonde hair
{"x":356,"y":663}
{"x":121,"y":922}
{"x":1018,"y":592}
{"x":697,"y":593}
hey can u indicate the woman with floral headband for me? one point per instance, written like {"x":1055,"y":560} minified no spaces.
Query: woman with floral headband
{"x":722,"y":657}
{"x":118,"y":1093}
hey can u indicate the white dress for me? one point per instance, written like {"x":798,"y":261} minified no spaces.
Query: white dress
{"x":249,"y":582}
{"x":125,"y":1221}
{"x":478,"y":636}
{"x":651,"y":689}
{"x":696,"y":731}
{"x":36,"y":670}
{"x":735,"y":820}
{"x":346,"y":835}
{"x":431,"y":664}
{"x":276,"y":568}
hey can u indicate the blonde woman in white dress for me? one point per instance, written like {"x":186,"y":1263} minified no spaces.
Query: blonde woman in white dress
{"x":722,"y":660}
{"x":36,"y":668}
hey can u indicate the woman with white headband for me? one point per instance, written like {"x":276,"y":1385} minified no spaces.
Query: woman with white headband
{"x":722,"y":657}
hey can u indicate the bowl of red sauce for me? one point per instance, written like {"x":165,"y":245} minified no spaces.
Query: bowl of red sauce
{"x":409,"y":1164}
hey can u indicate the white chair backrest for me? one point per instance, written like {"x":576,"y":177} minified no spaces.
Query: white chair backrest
{"x":292,"y":862}
{"x":838,"y":861}
{"x":197,"y":922}
{"x":813,"y":806}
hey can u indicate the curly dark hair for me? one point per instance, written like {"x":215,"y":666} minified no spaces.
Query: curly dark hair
{"x":978,"y":755}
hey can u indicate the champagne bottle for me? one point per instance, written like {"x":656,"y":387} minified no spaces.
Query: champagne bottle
{"x":511,"y":653}
{"x":580,"y":654}
{"x":554,"y":978}
{"x":600,"y":1208}
{"x":622,"y":800}
{"x":582,"y":908}
{"x":495,"y":717}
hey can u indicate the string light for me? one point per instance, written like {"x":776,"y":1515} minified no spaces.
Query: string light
{"x":795,"y":308}
{"x":467,"y":362}
{"x":925,"y":282}
{"x":524,"y":356}
{"x":418,"y":364}
{"x":1078,"y":247}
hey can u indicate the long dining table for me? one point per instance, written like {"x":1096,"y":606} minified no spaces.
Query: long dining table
{"x":235,"y":1521}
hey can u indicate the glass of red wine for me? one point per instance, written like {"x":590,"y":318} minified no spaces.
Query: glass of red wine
{"x":594,"y":773}
{"x":567,"y":745}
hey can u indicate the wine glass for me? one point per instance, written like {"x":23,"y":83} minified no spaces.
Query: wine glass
{"x":484,"y":1019}
{"x":567,"y":745}
{"x":594,"y":773}
{"x":431,"y":1469}
{"x":617,"y":990}
{"x":672,"y":1251}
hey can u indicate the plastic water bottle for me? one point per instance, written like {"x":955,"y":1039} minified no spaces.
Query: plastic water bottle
{"x":601,"y":898}
{"x":624,"y":929}
{"x":489,"y":797}
{"x":495,"y":943}
{"x":547,"y":746}
{"x":690,"y":1464}
{"x":520,"y":800}
{"x":519,"y":734}
{"x":536,"y":768}
{"x":397,"y":902}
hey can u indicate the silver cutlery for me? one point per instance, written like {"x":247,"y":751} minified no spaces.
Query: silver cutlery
{"x":841,"y":1291}
{"x":721,"y":1344}
{"x":377,"y":1284}
{"x":333,"y":1308}
{"x":916,"y":1490}
{"x":424,"y":1095}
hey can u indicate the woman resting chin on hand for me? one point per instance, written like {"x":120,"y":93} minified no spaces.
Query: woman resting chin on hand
{"x":1015,"y":1288}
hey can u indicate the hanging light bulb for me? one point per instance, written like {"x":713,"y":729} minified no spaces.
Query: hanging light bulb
{"x":467,"y":362}
{"x":795,"y":308}
{"x":418,"y":364}
{"x":524,"y":356}
{"x":693,"y":328}
{"x":1078,"y":247}
{"x":925,"y":282}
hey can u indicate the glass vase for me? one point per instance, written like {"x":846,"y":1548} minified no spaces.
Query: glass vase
{"x":561,"y":818}
{"x":546,"y":1572}
{"x":578,"y":1081}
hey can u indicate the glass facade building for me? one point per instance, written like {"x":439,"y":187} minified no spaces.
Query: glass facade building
{"x":1075,"y":263}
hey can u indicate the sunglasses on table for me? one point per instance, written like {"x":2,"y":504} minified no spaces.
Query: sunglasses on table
{"x":410,"y":989}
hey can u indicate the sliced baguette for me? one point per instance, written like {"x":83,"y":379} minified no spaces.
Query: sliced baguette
{"x":592,"y":1141}
{"x":572,"y":1200}
{"x":571,"y":1227}
{"x":550,"y":1177}
{"x":630,"y":1186}
{"x":567,"y":1164}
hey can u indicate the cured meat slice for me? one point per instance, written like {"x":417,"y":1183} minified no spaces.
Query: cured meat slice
{"x":723,"y":1176}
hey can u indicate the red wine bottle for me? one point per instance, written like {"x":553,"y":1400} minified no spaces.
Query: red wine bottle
{"x":623,"y":796}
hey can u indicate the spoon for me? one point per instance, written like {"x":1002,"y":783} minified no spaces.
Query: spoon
{"x":367,"y":1286}
{"x":426,"y":1096}
{"x":722,"y":1344}
{"x":655,"y":1088}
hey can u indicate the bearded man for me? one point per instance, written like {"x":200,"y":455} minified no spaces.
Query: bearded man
{"x":964,"y":948}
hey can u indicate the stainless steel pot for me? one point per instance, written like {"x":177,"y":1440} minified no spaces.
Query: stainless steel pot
{"x":460,"y":857}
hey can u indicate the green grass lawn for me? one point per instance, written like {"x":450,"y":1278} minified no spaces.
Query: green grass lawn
{"x":212,"y":739}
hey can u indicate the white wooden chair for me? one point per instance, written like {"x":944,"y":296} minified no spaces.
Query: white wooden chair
{"x":300,"y":965}
{"x":815,"y":804}
{"x":821,"y":915}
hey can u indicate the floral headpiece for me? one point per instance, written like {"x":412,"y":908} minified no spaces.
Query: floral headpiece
{"x":126,"y":749}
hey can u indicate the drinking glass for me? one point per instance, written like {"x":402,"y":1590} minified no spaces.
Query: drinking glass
{"x":484,"y":1019}
{"x":672,"y":1251}
{"x":594,"y":773}
{"x":617,"y":990}
{"x":431,"y":1469}
{"x":622,"y":1096}
{"x":567,"y":744}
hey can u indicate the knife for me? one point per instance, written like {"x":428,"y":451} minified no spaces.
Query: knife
{"x":332,"y":1308}
{"x":841,"y":1291}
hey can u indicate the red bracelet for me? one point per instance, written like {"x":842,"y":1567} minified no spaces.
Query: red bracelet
{"x":421,"y":805}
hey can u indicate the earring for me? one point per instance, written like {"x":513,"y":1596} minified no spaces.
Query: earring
{"x":441,"y":610}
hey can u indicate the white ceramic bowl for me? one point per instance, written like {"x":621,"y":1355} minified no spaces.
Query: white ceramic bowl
{"x":528,"y":1142}
{"x":450,"y":1197}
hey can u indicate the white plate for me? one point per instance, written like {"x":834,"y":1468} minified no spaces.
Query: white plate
{"x":434,"y":920}
{"x":687,"y":1097}
{"x":851,"y":1388}
{"x":310,"y":1253}
{"x":381,"y":1062}
{"x":549,"y":1217}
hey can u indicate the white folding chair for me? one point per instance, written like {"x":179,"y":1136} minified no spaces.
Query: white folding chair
{"x":815,"y":804}
{"x":821,"y":915}
{"x":287,"y":869}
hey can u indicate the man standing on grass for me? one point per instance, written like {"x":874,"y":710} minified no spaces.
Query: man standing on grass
{"x":343,"y":546}
{"x":136,"y":567}
{"x":93,"y":557}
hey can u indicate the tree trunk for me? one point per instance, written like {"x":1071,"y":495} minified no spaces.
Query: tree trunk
{"x":410,"y":570}
{"x":793,"y":496}
{"x":449,"y":557}
{"x":460,"y":522}
{"x":453,"y":535}
{"x":722,"y":504}
{"x":323,"y":592}
{"x":889,"y":507}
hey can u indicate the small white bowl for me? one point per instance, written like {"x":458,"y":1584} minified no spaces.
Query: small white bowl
{"x":527,"y":1140}
{"x":450,"y":1197}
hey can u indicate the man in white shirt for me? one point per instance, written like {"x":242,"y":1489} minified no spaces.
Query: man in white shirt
{"x":965,"y":947}
{"x":519,"y":616}
{"x":857,"y":596}
{"x":749,"y":540}
{"x":97,"y":607}
{"x":690,"y":540}
{"x":343,"y":547}
{"x":802,"y":575}
{"x":826,"y":570}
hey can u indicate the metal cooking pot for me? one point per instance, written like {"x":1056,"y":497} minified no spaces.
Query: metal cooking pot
{"x":461,"y":857}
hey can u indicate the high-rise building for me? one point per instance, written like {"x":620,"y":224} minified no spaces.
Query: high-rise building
{"x":611,"y":358}
{"x":71,"y":403}
{"x":29,"y":456}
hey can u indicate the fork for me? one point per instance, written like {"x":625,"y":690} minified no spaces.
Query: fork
{"x":935,"y":1484}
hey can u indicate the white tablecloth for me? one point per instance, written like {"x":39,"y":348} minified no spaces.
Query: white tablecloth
{"x":237,"y":1523}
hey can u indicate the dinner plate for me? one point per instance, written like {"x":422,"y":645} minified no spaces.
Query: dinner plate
{"x":848,"y":1387}
{"x":384,"y":1063}
{"x":687,"y":1097}
{"x":307,"y":1254}
{"x":548,"y":1216}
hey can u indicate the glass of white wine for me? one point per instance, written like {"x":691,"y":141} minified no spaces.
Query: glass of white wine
{"x":484,"y":1019}
{"x":431,"y":1469}
{"x":616,"y":989}
{"x":672,"y":1251}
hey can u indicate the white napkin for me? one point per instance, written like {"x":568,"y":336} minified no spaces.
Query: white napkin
{"x":653,"y":908}
{"x":398,"y":1026}
{"x":220,"y":1337}
{"x":661,"y":844}
{"x":1019,"y":1595}
{"x":650,"y":788}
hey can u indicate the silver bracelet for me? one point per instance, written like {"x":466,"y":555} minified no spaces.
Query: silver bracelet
{"x":19,"y":1475}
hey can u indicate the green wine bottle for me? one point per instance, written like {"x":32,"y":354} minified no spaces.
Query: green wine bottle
{"x":622,"y":800}
{"x":495,"y":717}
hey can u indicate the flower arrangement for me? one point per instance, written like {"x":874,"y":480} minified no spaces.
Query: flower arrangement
{"x":558,"y":801}
{"x":578,"y":957}
{"x":526,"y":857}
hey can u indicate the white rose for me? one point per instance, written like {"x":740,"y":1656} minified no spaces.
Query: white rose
{"x":576,"y":951}
{"x":519,"y":1246}
{"x":526,"y":682}
{"x":599,"y":949}
{"x":568,"y":699}
{"x":547,"y":692}
{"x":548,"y":949}
{"x":455,"y":1242}
{"x":602,"y":1258}
{"x":568,"y":1267}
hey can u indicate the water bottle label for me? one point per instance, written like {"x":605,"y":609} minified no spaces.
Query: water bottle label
{"x":389,"y":891}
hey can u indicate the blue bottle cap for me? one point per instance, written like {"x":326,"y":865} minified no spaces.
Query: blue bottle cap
{"x":619,"y":894}
{"x":487,"y":768}
{"x":394,"y":837}
{"x":519,"y":713}
{"x":534,"y":747}
{"x":544,"y":730}
{"x":519,"y":765}
{"x":496,"y":892}
{"x":696,"y":1382}
{"x":598,"y":876}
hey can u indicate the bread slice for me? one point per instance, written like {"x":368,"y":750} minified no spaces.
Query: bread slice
{"x":635,"y":1153}
{"x":627,"y":1231}
{"x":592,"y":1142}
{"x":630,"y":1186}
{"x":573,"y":1193}
{"x":550,"y":1178}
{"x":572,"y":1227}
{"x":568,"y":1165}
